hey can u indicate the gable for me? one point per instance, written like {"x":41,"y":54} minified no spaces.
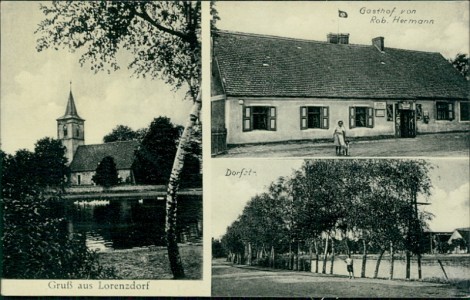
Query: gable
{"x":87,"y":157}
{"x":464,"y":234}
{"x":268,"y":66}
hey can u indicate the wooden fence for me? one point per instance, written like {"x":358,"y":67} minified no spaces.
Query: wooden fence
{"x":218,"y":141}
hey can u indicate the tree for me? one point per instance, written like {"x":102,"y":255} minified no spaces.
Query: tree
{"x":18,"y":175}
{"x":106,"y":173}
{"x":154,"y":159}
{"x":35,"y":239}
{"x":50,"y":162}
{"x":121,"y":133}
{"x":164,"y":38}
{"x":461,"y":62}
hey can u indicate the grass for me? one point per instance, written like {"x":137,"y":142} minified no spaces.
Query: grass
{"x":152,"y":263}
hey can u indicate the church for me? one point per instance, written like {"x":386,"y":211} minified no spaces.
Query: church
{"x":84,"y":159}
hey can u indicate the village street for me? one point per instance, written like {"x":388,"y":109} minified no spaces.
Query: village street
{"x":429,"y":145}
{"x":228,"y":280}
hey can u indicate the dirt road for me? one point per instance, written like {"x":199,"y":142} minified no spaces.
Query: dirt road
{"x":228,"y":280}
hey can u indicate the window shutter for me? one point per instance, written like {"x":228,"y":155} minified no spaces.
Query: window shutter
{"x":389,"y":112}
{"x":303,"y":117}
{"x":272,"y":118}
{"x":370,"y":117}
{"x":247,"y":120}
{"x":352,"y":117}
{"x":325,"y":118}
{"x":451,"y":111}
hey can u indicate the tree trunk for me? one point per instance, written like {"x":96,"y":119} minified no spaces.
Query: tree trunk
{"x":173,"y":185}
{"x":289,"y":263}
{"x":316,"y":255}
{"x":298,"y":258}
{"x":272,"y":257}
{"x":408,"y":264}
{"x":348,"y":252}
{"x":332,"y":255}
{"x":249,"y":254}
{"x":325,"y":255}
{"x":419,"y":267}
{"x":379,"y":259}
{"x":310,"y":256}
{"x":364,"y":258}
{"x":392,"y":260}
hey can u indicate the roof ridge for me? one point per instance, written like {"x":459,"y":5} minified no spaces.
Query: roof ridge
{"x":115,"y":142}
{"x":268,"y":36}
{"x":273,"y":36}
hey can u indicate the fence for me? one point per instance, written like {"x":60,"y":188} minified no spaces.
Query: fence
{"x":218,"y":141}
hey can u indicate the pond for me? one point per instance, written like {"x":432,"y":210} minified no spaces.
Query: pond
{"x":126,"y":224}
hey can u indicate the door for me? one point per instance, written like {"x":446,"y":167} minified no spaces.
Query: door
{"x":407,"y":123}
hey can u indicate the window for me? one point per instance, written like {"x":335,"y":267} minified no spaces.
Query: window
{"x":464,"y":111}
{"x":444,"y":111}
{"x":65,"y":130}
{"x":79,"y":179}
{"x":361,"y":117}
{"x":314,"y":117}
{"x":77,"y":131}
{"x":259,"y":118}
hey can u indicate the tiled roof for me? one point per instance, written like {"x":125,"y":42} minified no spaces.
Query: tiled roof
{"x":260,"y":66}
{"x":71,"y":110}
{"x":88,"y":157}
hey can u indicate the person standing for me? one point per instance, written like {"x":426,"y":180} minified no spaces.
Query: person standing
{"x":349,"y":265}
{"x":339,"y":136}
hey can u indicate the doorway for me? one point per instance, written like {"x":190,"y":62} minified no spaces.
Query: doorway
{"x":407,"y":123}
{"x":405,"y":120}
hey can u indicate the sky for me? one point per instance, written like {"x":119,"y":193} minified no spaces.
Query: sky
{"x":35,"y":88}
{"x":448,"y":35}
{"x":449,"y":201}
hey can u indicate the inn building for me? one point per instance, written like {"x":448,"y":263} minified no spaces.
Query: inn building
{"x":274,"y":89}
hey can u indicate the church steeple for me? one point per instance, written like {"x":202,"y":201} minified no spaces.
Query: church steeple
{"x":70,"y":128}
{"x":71,"y":110}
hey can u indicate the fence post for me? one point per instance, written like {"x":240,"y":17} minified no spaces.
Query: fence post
{"x":442,"y":267}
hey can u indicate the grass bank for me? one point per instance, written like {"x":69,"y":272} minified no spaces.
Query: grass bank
{"x":152,"y":263}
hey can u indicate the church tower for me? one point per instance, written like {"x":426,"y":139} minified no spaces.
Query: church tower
{"x":70,"y":128}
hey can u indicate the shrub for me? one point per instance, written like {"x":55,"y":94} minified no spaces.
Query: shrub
{"x":37,"y":244}
{"x":106,"y":173}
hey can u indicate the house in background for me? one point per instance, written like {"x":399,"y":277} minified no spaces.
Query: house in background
{"x":272,"y":89}
{"x":460,"y":238}
{"x":84,"y":159}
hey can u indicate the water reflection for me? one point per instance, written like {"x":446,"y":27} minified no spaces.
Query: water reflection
{"x":126,"y":224}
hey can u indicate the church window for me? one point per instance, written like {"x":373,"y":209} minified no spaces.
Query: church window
{"x":65,"y":130}
{"x":78,"y":131}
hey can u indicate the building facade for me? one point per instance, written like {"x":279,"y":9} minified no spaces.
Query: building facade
{"x":273,"y":89}
{"x":84,"y":159}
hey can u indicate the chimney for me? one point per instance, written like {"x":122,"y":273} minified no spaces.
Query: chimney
{"x":335,"y":38}
{"x":332,"y":38}
{"x":343,"y":38}
{"x":378,"y":42}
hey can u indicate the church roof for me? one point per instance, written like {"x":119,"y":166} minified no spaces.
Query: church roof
{"x":252,"y":65}
{"x":71,"y":110}
{"x":87,"y":157}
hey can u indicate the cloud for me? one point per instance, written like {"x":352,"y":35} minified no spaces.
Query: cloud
{"x":451,"y":209}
